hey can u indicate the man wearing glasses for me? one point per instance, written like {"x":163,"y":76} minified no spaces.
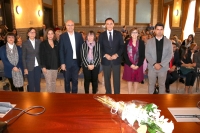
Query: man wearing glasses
{"x":70,"y":43}
{"x":111,"y":43}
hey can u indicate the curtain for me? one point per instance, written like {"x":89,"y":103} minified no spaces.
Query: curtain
{"x":189,"y":24}
{"x":167,"y":30}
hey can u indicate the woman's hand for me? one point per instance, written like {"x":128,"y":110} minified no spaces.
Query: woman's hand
{"x":90,"y":67}
{"x":44,"y":70}
{"x":25,"y":71}
{"x":15,"y":69}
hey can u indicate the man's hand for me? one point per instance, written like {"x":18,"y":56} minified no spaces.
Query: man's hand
{"x":25,"y":71}
{"x":108,"y":57}
{"x":15,"y":69}
{"x":90,"y":67}
{"x":157,"y":66}
{"x":172,"y":68}
{"x":114,"y":56}
{"x":63,"y":67}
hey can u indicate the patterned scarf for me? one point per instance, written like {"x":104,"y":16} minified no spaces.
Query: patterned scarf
{"x":13,"y":57}
{"x":90,"y":52}
{"x":133,"y":58}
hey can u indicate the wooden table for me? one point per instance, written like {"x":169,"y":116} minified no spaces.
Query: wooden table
{"x":82,"y":113}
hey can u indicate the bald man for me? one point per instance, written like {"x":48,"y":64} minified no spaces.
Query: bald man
{"x":70,"y":43}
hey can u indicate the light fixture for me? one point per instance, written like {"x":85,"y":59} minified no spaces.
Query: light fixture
{"x":40,"y":13}
{"x":176,"y":12}
{"x":18,"y":9}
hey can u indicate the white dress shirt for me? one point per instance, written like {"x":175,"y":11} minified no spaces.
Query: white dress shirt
{"x":108,"y":34}
{"x":73,"y":43}
{"x":11,"y":47}
{"x":33,"y":44}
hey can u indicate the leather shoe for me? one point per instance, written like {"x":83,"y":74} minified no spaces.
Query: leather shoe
{"x":167,"y":91}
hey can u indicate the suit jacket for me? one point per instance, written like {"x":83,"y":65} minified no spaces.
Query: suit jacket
{"x":117,"y":47}
{"x":66,"y":51}
{"x":7,"y":65}
{"x":151,"y":56}
{"x":29,"y":54}
{"x":197,"y":59}
{"x":141,"y":49}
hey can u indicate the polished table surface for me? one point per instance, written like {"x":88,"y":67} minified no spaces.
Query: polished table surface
{"x":82,"y":113}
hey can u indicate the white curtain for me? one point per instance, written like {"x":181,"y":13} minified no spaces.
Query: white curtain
{"x":167,"y":30}
{"x":189,"y":24}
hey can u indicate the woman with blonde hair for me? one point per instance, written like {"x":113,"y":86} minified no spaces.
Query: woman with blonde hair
{"x":134,"y":54}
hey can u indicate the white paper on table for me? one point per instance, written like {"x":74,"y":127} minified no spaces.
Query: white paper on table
{"x":185,"y":111}
{"x":2,"y":115}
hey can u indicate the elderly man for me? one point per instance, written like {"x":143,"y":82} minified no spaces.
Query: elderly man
{"x":70,"y":43}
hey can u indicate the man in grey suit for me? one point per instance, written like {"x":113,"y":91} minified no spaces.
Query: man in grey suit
{"x":158,"y":53}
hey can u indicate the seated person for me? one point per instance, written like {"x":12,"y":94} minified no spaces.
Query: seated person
{"x":187,"y":69}
{"x":172,"y":74}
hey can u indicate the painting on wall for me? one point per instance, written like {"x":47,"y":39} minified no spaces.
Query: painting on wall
{"x":143,"y":11}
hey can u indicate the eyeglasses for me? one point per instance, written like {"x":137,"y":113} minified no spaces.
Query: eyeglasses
{"x":134,"y":32}
{"x":70,"y":25}
{"x":32,"y":32}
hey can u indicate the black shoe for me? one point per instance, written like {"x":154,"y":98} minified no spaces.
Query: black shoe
{"x":142,"y":82}
{"x":167,"y":91}
{"x":181,"y":80}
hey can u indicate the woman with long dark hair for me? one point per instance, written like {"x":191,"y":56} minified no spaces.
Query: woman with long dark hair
{"x":49,"y":59}
{"x":187,"y":69}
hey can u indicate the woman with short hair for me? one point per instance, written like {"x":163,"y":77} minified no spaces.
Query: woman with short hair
{"x":90,"y":55}
{"x":11,"y":56}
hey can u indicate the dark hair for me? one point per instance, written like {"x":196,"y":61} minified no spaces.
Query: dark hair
{"x":91,"y":32}
{"x":191,"y":35}
{"x":29,"y":29}
{"x":46,"y":32}
{"x":159,"y":24}
{"x":109,"y":19}
{"x":16,"y":31}
{"x":182,"y":52}
{"x":10,"y":34}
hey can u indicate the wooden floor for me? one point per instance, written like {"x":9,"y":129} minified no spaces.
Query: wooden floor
{"x":142,"y":88}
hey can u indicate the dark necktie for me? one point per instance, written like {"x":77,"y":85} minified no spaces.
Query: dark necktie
{"x":110,"y":39}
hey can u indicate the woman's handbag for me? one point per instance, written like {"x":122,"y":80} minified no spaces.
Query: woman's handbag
{"x":186,"y":70}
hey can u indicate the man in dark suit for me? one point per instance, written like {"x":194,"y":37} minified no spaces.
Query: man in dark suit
{"x":172,"y":74}
{"x":112,"y":44}
{"x":70,"y":44}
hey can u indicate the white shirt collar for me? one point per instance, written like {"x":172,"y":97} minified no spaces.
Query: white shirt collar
{"x":10,"y":45}
{"x":32,"y":40}
{"x":70,"y":34}
{"x":110,"y":31}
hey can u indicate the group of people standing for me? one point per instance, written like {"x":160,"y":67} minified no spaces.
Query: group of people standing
{"x":70,"y":52}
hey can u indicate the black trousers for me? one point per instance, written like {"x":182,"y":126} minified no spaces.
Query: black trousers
{"x":91,"y":76}
{"x":34,"y":79}
{"x":190,"y":78}
{"x":171,"y":78}
{"x":13,"y":88}
{"x":115,"y":69}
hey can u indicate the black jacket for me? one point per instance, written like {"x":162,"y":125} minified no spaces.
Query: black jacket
{"x":141,"y":49}
{"x":46,"y":56}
